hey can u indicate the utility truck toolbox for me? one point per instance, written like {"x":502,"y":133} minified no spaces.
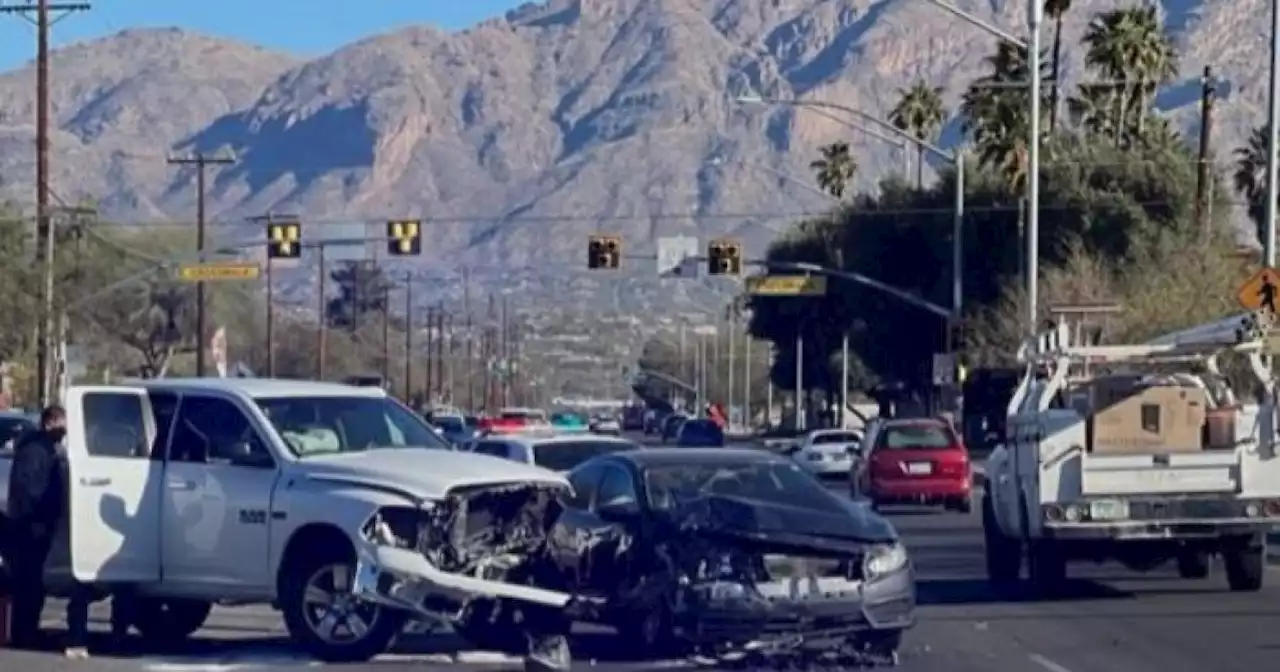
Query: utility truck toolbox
{"x":1138,"y":453}
{"x":1128,"y":415}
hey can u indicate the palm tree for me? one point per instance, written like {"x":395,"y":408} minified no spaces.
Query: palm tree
{"x":1250,"y":176}
{"x":1130,"y":46}
{"x":995,"y":109}
{"x":835,"y":169}
{"x":919,"y":112}
{"x":1056,"y":10}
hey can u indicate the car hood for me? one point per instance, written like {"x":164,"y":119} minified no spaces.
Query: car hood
{"x":840,"y":526}
{"x":422,"y":473}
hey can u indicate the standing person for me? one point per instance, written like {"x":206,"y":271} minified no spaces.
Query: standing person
{"x":36,"y":504}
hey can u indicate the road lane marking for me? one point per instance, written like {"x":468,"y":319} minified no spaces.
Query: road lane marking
{"x":1047,"y":664}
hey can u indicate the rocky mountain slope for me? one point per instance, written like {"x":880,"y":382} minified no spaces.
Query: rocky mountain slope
{"x":520,"y":136}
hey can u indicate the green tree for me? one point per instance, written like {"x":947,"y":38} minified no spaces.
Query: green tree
{"x":835,"y":169}
{"x":994,"y":109}
{"x":1056,"y":10}
{"x":362,"y":293}
{"x":919,"y":112}
{"x":1250,"y":177}
{"x":1131,"y":48}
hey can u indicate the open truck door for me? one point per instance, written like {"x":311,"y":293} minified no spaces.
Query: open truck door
{"x":115,"y":486}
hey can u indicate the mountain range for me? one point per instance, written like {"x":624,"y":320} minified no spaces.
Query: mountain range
{"x":517,"y":138}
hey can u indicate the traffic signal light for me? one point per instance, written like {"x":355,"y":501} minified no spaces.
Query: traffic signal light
{"x":404,"y":238}
{"x":284,"y":240}
{"x":724,"y":257}
{"x":604,"y":252}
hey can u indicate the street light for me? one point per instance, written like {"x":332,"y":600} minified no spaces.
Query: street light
{"x":1035,"y":17}
{"x":956,"y":158}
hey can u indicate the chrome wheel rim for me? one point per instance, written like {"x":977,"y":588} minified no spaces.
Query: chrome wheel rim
{"x":332,"y":611}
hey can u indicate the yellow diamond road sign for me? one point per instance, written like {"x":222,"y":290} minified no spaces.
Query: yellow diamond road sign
{"x":1259,"y":292}
{"x":787,"y":285}
{"x":213,"y":272}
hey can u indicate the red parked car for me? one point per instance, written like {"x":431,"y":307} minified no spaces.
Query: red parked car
{"x":913,"y":461}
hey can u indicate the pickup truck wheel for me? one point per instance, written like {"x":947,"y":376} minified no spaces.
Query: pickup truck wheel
{"x":168,"y":620}
{"x":1003,"y":555}
{"x":1193,"y":564}
{"x":325,"y":617}
{"x":1244,"y":568}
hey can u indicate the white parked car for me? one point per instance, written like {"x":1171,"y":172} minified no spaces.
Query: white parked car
{"x":828,"y":452}
{"x":334,"y":503}
{"x":562,"y":452}
{"x":606,"y":424}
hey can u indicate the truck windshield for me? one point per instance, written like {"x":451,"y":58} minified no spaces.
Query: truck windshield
{"x":325,"y":425}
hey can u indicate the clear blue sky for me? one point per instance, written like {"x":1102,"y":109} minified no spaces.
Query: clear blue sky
{"x":301,"y":26}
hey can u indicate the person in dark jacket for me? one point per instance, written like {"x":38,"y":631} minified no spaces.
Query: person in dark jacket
{"x":37,"y":500}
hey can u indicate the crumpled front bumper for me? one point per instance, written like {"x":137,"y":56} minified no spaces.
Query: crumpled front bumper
{"x":403,"y":579}
{"x":881,"y":605}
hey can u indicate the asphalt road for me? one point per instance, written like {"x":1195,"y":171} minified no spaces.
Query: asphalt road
{"x":1118,"y":621}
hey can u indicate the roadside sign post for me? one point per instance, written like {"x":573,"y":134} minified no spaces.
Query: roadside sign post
{"x":786,"y":285}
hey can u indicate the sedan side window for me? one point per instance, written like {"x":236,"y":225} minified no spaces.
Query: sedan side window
{"x":616,"y":488}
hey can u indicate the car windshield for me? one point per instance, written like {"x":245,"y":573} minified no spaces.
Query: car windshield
{"x":326,"y":425}
{"x":783,"y":483}
{"x":835,"y":437}
{"x":449,"y":424}
{"x":915,"y":437}
{"x":566,"y":455}
{"x":702,"y":433}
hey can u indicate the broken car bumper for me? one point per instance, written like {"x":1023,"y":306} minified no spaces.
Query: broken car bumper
{"x":403,"y":579}
{"x":887,"y":603}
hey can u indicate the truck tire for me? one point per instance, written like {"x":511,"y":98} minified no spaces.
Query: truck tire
{"x":326,"y":572}
{"x":1245,"y":568}
{"x":168,"y":619}
{"x":1003,"y":555}
{"x":1193,"y":564}
{"x":1047,"y":567}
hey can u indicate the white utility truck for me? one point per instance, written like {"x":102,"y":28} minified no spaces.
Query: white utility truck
{"x":334,"y":503}
{"x":1137,"y":453}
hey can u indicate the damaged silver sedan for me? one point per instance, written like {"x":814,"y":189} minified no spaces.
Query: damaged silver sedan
{"x":731,"y":555}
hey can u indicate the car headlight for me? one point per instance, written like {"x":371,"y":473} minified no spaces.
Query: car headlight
{"x":723,"y":590}
{"x":884,"y":560}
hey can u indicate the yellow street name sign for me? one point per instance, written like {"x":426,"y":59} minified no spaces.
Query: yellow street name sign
{"x":220,"y":271}
{"x":787,"y":285}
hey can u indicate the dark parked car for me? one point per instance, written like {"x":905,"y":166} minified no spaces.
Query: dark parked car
{"x":671,"y":425}
{"x":700,"y":433}
{"x":715,"y":549}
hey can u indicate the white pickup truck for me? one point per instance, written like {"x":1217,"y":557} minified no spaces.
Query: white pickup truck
{"x":1140,"y":453}
{"x":334,"y":503}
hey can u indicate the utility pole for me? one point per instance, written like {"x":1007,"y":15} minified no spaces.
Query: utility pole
{"x":431,"y":367}
{"x":202,"y":162}
{"x":408,"y":337}
{"x":386,"y":333}
{"x":322,"y":326}
{"x":470,"y":370}
{"x":439,"y":350}
{"x":1208,"y":94}
{"x":504,"y":354}
{"x":41,"y":14}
